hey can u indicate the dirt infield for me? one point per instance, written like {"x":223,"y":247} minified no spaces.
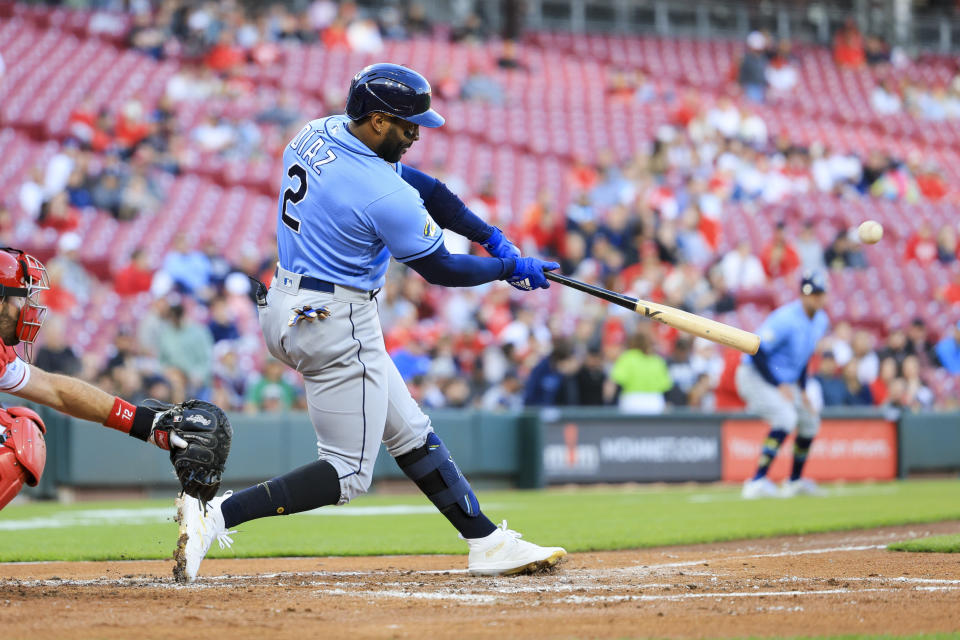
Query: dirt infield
{"x":837,"y":583}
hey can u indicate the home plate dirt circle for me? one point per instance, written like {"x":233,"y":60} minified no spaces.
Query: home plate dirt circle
{"x":827,"y":584}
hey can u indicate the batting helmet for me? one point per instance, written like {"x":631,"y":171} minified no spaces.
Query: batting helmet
{"x":23,"y":276}
{"x":392,"y":89}
{"x":813,"y":282}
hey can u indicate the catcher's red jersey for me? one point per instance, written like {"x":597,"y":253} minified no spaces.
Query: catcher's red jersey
{"x":14,"y":372}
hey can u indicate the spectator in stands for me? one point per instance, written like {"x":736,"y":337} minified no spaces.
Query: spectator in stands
{"x":741,"y":269}
{"x":471,"y":30}
{"x":896,"y":347}
{"x":809,"y":249}
{"x":930,"y":183}
{"x":509,"y":58}
{"x":724,"y":118}
{"x":948,"y":351}
{"x":921,"y":245}
{"x":136,"y":198}
{"x":752,"y":72}
{"x":839,"y":342}
{"x":950,"y":293}
{"x":848,"y":46}
{"x":781,"y":72}
{"x":884,"y":98}
{"x":919,"y":344}
{"x":876,"y":50}
{"x":56,"y":355}
{"x":481,"y":86}
{"x":271,"y":392}
{"x":76,"y":278}
{"x":947,"y":244}
{"x":79,"y":190}
{"x":229,"y":378}
{"x":31,"y":196}
{"x":506,"y":395}
{"x":856,"y":393}
{"x":107,"y":192}
{"x":779,"y":258}
{"x":833,"y":388}
{"x":215,"y":135}
{"x":918,"y":395}
{"x":135,"y":277}
{"x":880,"y":388}
{"x":682,"y":374}
{"x":641,"y":376}
{"x":552,"y":383}
{"x":222,"y":324}
{"x":56,"y":213}
{"x":874,"y":168}
{"x":843,"y":253}
{"x":591,"y":378}
{"x":187,"y":346}
{"x":868,"y":364}
{"x":411,"y":360}
{"x":189,"y":268}
{"x":126,"y":351}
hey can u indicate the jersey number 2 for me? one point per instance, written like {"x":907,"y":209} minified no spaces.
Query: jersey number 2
{"x":289,"y":195}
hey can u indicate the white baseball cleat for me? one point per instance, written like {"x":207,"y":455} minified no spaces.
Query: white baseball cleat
{"x":198,"y":529}
{"x":503,"y":553}
{"x":801,"y":487}
{"x":759,"y":488}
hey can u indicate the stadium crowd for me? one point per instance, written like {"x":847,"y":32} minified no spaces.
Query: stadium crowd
{"x":651,"y":226}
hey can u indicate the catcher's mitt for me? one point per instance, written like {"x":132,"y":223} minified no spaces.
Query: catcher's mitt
{"x":207,"y":433}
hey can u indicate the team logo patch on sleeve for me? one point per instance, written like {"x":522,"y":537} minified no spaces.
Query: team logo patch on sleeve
{"x":430,"y":229}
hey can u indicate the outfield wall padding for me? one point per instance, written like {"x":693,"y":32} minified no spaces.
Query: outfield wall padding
{"x":527,"y":449}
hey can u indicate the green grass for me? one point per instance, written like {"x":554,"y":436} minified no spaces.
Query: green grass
{"x":936,"y":544}
{"x":582,"y":519}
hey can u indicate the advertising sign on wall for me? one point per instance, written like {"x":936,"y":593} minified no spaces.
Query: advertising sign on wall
{"x":845,"y":449}
{"x":598,"y":450}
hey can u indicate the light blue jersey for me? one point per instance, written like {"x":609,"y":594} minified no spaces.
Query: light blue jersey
{"x":344,"y":211}
{"x":788,"y":339}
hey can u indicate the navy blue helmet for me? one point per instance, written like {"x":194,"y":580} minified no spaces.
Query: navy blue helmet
{"x":392,"y":89}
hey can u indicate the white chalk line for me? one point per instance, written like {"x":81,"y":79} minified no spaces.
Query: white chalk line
{"x":154,"y":515}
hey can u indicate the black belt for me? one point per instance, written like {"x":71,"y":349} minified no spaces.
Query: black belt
{"x":316,"y":284}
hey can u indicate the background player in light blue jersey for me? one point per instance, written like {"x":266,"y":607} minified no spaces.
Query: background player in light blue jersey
{"x":346,"y":206}
{"x":773,"y":385}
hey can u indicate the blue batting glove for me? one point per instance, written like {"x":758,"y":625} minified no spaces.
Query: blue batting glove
{"x":498,"y":246}
{"x":528,"y":274}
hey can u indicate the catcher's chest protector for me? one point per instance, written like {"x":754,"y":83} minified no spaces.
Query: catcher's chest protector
{"x":23,"y":452}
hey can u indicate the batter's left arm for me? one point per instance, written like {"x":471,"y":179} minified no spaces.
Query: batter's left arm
{"x":450,"y":212}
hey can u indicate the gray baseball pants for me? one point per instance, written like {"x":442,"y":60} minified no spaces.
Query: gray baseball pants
{"x":765,"y":400}
{"x":355,"y":395}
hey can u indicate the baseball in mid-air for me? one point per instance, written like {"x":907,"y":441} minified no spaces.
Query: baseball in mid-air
{"x":870,"y":232}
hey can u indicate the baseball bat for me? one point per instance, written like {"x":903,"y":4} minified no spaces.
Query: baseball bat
{"x":682,"y":320}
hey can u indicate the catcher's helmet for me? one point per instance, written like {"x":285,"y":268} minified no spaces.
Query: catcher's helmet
{"x":393,"y":89}
{"x":23,"y":276}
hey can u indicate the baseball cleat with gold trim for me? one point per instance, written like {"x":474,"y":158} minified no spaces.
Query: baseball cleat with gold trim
{"x":503,"y":553}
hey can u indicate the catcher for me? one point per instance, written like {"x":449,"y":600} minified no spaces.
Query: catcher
{"x":196,"y":433}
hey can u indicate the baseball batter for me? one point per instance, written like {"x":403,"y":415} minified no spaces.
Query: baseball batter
{"x":773,"y":385}
{"x":346,"y":206}
{"x":23,"y":452}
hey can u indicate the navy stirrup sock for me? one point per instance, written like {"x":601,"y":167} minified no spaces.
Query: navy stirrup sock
{"x":313,"y":485}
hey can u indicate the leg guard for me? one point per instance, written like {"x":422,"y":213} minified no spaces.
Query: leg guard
{"x":420,"y":463}
{"x":23,"y":452}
